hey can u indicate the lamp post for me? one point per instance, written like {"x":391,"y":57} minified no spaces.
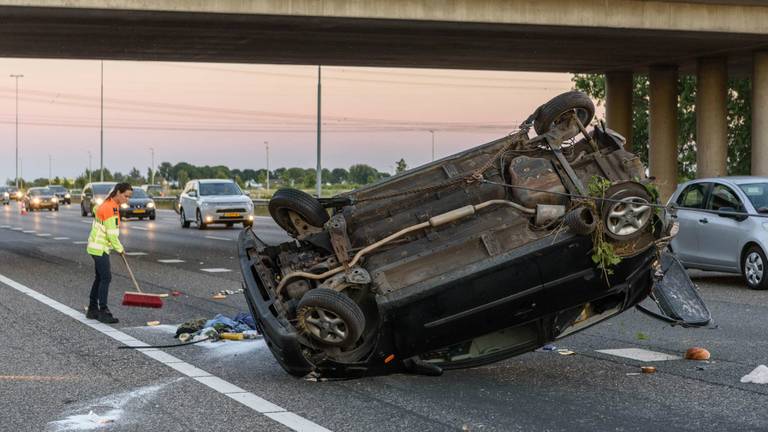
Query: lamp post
{"x":319,"y":121}
{"x":90,"y":170}
{"x":433,"y":144}
{"x":17,"y":76}
{"x":266,"y":144}
{"x":152,"y":150}
{"x":101,"y":130}
{"x":50,"y":169}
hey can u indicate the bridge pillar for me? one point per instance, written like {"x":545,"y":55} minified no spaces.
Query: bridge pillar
{"x":662,"y":153}
{"x":760,"y":113}
{"x":618,"y":104}
{"x":711,"y":117}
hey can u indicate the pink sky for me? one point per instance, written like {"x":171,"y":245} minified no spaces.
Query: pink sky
{"x":222,"y":113}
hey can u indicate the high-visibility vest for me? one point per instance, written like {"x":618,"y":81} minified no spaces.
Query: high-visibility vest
{"x":105,"y":230}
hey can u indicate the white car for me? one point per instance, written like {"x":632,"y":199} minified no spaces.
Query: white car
{"x":213,"y":201}
{"x":716,"y":231}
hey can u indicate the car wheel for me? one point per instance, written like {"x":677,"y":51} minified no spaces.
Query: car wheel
{"x":83,"y":213}
{"x":152,"y":217}
{"x":627,"y":219}
{"x":308,"y":208}
{"x":753,"y":268}
{"x":549,"y":114}
{"x":183,"y":219}
{"x":199,"y":221}
{"x":330,"y":318}
{"x":56,"y":208}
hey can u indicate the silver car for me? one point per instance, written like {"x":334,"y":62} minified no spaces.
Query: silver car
{"x":713,"y":236}
{"x":208,"y":202}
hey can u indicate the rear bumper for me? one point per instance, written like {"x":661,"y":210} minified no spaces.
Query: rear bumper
{"x":43,"y":205}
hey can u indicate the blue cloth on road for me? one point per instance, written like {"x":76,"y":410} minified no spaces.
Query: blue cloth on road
{"x":242,"y":322}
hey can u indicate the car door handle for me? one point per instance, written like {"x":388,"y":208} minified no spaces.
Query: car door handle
{"x":704,"y":220}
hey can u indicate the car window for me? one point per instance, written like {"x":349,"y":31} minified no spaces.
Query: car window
{"x":757,"y":194}
{"x":223,"y":188}
{"x":139,"y":193}
{"x":102,"y":189}
{"x":693,"y":196}
{"x":723,"y":196}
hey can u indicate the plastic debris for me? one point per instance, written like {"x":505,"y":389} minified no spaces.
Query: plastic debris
{"x":548,"y":347}
{"x":565,"y":352}
{"x":648,"y":369}
{"x":641,"y":336}
{"x":153,"y":323}
{"x":175,"y":293}
{"x":231,"y":336}
{"x":185,"y":337}
{"x":758,"y":376}
{"x":218,"y":296}
{"x":697,"y":353}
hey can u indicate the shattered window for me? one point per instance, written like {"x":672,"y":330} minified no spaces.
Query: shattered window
{"x":723,"y":196}
{"x":693,"y":196}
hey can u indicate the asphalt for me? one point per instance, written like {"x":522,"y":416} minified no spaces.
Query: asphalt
{"x":53,"y":367}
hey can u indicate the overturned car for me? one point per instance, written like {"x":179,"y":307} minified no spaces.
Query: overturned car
{"x":468,"y":260}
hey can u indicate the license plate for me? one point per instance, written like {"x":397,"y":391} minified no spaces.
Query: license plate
{"x":231,"y":214}
{"x":139,"y":211}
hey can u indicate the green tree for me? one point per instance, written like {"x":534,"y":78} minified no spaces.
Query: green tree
{"x":339,"y":175}
{"x":401,"y":166}
{"x":363,"y":174}
{"x":182,"y":177}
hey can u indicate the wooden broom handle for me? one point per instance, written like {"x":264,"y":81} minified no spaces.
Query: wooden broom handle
{"x":130,"y":272}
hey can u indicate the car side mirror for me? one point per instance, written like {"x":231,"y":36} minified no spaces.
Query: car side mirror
{"x":738,"y":218}
{"x":193,"y":194}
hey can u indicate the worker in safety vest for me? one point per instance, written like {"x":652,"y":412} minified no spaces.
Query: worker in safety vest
{"x":104,"y":237}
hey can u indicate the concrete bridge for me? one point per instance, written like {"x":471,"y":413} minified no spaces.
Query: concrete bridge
{"x":710,"y":38}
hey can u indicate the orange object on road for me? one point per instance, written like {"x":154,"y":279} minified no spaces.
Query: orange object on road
{"x":140,"y":298}
{"x":697,"y":353}
{"x":232,"y":336}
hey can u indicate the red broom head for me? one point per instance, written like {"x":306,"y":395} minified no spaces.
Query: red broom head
{"x":142,"y":300}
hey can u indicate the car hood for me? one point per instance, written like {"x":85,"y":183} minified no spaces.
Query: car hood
{"x":42,"y":196}
{"x":221,"y":199}
{"x":134,"y":201}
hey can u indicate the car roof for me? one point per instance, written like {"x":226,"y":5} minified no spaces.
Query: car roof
{"x":734,"y":180}
{"x":215,"y":181}
{"x":39,"y":188}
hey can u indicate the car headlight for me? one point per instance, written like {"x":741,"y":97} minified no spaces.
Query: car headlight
{"x":151,"y":204}
{"x":99,"y":201}
{"x":35,"y":200}
{"x":123,"y":206}
{"x":67,"y":196}
{"x":54,"y":200}
{"x":6,"y":194}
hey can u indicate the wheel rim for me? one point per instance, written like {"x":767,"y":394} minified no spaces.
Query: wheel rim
{"x":753,"y":268}
{"x":581,"y":113}
{"x":326,"y":325}
{"x":629,"y":216}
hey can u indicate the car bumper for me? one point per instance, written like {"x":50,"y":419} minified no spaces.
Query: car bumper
{"x":129,"y":213}
{"x":46,"y":205}
{"x":213,"y":216}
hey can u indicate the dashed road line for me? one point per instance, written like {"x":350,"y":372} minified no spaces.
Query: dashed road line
{"x":137,"y":228}
{"x":639,"y":354}
{"x":44,"y":235}
{"x":215,"y":270}
{"x":28,"y":231}
{"x":226,"y":388}
{"x":61,"y":238}
{"x":17,"y":229}
{"x":135,"y":253}
{"x":170,"y":261}
{"x":79,"y":242}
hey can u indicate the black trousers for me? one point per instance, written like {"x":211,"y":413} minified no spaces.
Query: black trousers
{"x":100,"y":287}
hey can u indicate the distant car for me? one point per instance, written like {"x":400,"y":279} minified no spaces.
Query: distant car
{"x":14,"y":193}
{"x":139,"y":206}
{"x":94,"y":195}
{"x":208,"y":202}
{"x":5,"y":195}
{"x":724,"y":242}
{"x":62,"y":194}
{"x":153,"y":190}
{"x":39,"y":198}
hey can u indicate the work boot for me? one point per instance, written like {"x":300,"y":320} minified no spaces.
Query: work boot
{"x":106,"y":317}
{"x":92,"y":312}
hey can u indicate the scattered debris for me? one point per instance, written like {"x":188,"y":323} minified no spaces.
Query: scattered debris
{"x":218,"y":296}
{"x":648,"y":369}
{"x":549,"y":347}
{"x":697,"y":353}
{"x":185,"y":337}
{"x":175,"y":293}
{"x":633,"y":373}
{"x":641,"y":336}
{"x":153,"y":323}
{"x":758,"y":376}
{"x":565,"y":352}
{"x":225,"y":293}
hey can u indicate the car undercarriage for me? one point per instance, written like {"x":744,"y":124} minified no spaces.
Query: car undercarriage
{"x":479,"y":256}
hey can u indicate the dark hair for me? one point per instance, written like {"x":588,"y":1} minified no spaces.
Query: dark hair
{"x":119,"y":188}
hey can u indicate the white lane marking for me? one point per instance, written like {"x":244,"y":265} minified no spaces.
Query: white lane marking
{"x":5,"y":226}
{"x":44,"y":235}
{"x":135,"y":253}
{"x":170,"y":261}
{"x":218,"y":238}
{"x":86,"y":222}
{"x":639,"y":354}
{"x":61,"y":238}
{"x":137,"y":228}
{"x":248,"y":399}
{"x":17,"y":229}
{"x":215,"y":270}
{"x":80,"y":242}
{"x":28,"y":232}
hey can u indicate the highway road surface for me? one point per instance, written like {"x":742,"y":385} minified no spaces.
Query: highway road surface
{"x":60,"y":371}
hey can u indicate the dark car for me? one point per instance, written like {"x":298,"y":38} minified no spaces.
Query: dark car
{"x":94,"y":195}
{"x":480,"y":256}
{"x":5,"y":195}
{"x":139,"y":206}
{"x":62,"y":194}
{"x":39,"y":198}
{"x":14,"y":193}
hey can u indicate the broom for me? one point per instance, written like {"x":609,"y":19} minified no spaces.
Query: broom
{"x":139,"y":298}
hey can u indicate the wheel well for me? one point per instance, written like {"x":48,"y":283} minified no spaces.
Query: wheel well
{"x":744,"y":252}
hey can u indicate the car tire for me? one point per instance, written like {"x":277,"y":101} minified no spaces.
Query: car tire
{"x":617,"y":216}
{"x":230,"y":224}
{"x":199,"y":221}
{"x":581,"y":220}
{"x":56,"y":208}
{"x":322,"y":308}
{"x":548,"y":114}
{"x":247,"y":224}
{"x":83,"y":213}
{"x":152,"y":217}
{"x":753,"y":268}
{"x":183,"y":219}
{"x":301,"y":203}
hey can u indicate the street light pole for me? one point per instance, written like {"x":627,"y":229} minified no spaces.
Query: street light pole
{"x":17,"y":76}
{"x":90,"y":169}
{"x":433,"y":144}
{"x":266,"y":143}
{"x":50,"y":169}
{"x":101,"y":137}
{"x":153,"y":165}
{"x":319,"y":117}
